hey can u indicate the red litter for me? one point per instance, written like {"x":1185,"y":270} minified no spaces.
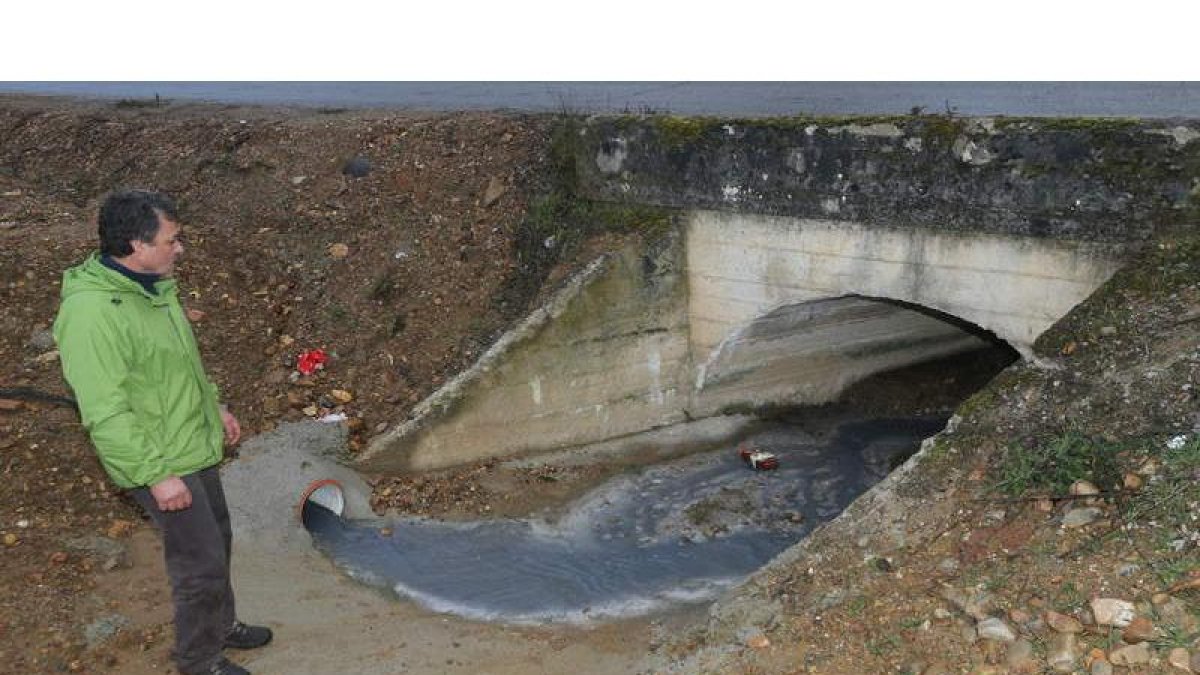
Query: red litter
{"x":757,"y":459}
{"x":311,"y":361}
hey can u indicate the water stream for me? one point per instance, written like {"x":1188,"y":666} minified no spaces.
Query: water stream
{"x":672,"y":533}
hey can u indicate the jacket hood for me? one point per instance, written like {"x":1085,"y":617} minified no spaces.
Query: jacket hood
{"x":93,"y":276}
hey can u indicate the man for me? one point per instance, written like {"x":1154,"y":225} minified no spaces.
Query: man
{"x":153,"y":415}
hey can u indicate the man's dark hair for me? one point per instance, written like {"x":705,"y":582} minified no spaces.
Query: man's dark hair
{"x":132,"y":214}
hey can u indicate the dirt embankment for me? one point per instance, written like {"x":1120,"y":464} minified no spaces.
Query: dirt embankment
{"x":391,"y":241}
{"x":1062,"y":491}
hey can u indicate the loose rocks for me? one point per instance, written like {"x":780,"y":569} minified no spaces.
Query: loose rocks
{"x":995,"y":629}
{"x":1131,"y":655}
{"x":1112,"y":612}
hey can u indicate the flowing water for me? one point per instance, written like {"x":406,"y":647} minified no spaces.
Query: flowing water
{"x":672,"y":533}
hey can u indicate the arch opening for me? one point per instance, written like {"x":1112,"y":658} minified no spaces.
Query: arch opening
{"x":811,"y":352}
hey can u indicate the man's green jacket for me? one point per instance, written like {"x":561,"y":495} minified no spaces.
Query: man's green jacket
{"x":131,"y":359}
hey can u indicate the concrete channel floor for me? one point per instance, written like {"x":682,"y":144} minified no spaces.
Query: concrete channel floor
{"x":325,"y":622}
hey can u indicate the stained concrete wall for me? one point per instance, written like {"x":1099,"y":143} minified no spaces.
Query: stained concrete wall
{"x":1109,"y":180}
{"x":606,"y":357}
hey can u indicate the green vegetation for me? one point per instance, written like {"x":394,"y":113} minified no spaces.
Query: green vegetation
{"x":680,"y":131}
{"x":1169,"y":501}
{"x":1051,"y":466}
{"x":1068,"y":597}
{"x":562,"y":218}
{"x":885,"y":645}
{"x":856,"y":605}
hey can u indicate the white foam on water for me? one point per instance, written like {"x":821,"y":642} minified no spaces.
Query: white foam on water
{"x":622,"y":607}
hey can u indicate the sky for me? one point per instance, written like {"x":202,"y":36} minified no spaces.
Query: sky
{"x":633,"y":40}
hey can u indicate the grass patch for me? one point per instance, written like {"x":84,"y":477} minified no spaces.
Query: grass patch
{"x":1169,"y":501}
{"x":1068,"y":597}
{"x":1051,"y":466}
{"x":885,"y":645}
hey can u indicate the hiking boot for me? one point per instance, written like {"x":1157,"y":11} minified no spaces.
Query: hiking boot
{"x":242,"y":636}
{"x":224,"y":666}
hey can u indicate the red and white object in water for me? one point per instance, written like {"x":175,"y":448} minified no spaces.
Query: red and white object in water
{"x":757,"y":459}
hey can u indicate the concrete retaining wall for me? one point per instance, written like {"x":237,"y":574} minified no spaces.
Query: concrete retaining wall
{"x":606,"y":357}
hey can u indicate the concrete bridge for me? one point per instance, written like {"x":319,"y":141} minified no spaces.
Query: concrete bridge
{"x":805,"y":258}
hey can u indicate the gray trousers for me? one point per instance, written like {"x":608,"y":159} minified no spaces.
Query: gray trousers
{"x":197,"y":543}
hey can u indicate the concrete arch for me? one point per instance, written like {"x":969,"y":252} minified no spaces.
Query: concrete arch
{"x":741,"y":266}
{"x":809,"y":352}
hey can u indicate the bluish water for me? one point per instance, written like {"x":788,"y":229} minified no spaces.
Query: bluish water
{"x":677,"y":532}
{"x":1125,"y":99}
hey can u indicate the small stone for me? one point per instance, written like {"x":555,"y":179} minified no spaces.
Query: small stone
{"x":310,"y":411}
{"x":112,"y":553}
{"x":1020,"y":657}
{"x":104,"y":628}
{"x":1132,"y":482}
{"x":42,"y":340}
{"x":58,"y":557}
{"x":1080,"y":517}
{"x":1180,"y":659}
{"x":1112,"y":612}
{"x":194,"y":315}
{"x":977,"y":606}
{"x":1044,"y":505}
{"x":759,"y":641}
{"x":297,"y":180}
{"x":1148,"y":468}
{"x":495,"y":190}
{"x":1108,"y":330}
{"x":1062,"y":623}
{"x":1174,"y":612}
{"x":48,"y":357}
{"x":1128,"y":569}
{"x":1083,"y":488}
{"x":358,"y":167}
{"x":381,"y":427}
{"x":995,"y":629}
{"x":948,"y":566}
{"x":11,"y":539}
{"x":1063,"y":653}
{"x":1019,"y":616}
{"x":338,"y":251}
{"x":341,"y":395}
{"x":119,"y":528}
{"x":1140,"y":629}
{"x":1101,"y":667}
{"x":1130,"y":655}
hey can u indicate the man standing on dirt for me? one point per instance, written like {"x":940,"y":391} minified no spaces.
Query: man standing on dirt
{"x":153,"y":415}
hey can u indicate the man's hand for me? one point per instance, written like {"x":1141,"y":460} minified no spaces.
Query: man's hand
{"x":171,"y":494}
{"x":233,"y":430}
